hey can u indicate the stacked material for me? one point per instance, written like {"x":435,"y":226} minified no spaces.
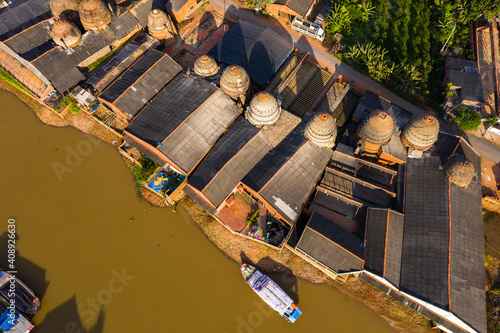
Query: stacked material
{"x":460,"y":171}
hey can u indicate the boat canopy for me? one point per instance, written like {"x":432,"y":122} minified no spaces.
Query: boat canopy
{"x":270,"y":292}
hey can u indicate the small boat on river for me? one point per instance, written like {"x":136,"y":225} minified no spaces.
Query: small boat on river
{"x":270,"y":293}
{"x":26,"y":302}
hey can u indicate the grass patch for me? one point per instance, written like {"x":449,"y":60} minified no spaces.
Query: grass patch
{"x":9,"y":79}
{"x":99,"y":61}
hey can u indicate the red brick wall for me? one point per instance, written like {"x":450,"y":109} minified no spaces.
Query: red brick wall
{"x":185,"y":11}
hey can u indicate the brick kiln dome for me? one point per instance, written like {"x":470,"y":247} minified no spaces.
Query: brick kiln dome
{"x":206,"y":66}
{"x":376,"y":128}
{"x":65,"y":34}
{"x":94,"y":14}
{"x":235,"y":82}
{"x":263,"y":109}
{"x":460,"y":171}
{"x":322,"y":130}
{"x":421,"y":132}
{"x":160,"y":25}
{"x":59,"y":6}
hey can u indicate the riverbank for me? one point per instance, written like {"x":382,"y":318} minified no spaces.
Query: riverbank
{"x":240,"y":249}
{"x":243,"y":250}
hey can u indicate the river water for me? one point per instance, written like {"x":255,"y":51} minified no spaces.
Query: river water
{"x":102,"y":260}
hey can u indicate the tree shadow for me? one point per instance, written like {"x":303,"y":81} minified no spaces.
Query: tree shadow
{"x":66,"y":318}
{"x":27,"y":271}
{"x":258,"y":44}
{"x":206,"y":27}
{"x":279,"y":273}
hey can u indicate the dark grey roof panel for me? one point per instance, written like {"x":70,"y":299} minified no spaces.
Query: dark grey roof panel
{"x":336,"y":203}
{"x":299,"y":6}
{"x":148,"y":85}
{"x":58,"y":69}
{"x":100,"y":76}
{"x":394,"y":247}
{"x":176,"y":5}
{"x":260,"y":51}
{"x":336,"y":181}
{"x":188,"y":144}
{"x":376,"y":230}
{"x":127,"y":79}
{"x":290,"y":187}
{"x":59,"y":65}
{"x":468,"y":298}
{"x":445,"y":146}
{"x":21,"y":11}
{"x":122,"y":25}
{"x":229,"y":145}
{"x":229,"y":177}
{"x":465,"y":74}
{"x":275,"y":159}
{"x":170,"y":108}
{"x":345,"y":109}
{"x":424,"y":271}
{"x":30,"y":38}
{"x":369,"y":102}
{"x":331,"y":245}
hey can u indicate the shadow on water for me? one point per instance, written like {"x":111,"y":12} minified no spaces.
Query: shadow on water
{"x":279,"y":273}
{"x":65,"y":319}
{"x":30,"y":273}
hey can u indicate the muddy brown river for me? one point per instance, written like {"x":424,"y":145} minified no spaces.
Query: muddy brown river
{"x":102,"y":260}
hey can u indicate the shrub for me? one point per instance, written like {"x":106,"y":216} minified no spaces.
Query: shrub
{"x":491,"y":120}
{"x":74,"y":109}
{"x":148,"y":165}
{"x":467,"y":119}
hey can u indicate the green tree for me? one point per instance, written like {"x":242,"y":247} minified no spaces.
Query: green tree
{"x":467,"y":119}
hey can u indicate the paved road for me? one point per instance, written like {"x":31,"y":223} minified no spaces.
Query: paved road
{"x":362,"y":82}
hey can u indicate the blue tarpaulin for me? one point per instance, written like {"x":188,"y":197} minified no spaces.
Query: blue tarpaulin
{"x":6,"y":322}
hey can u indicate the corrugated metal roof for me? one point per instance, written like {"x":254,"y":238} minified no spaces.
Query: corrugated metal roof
{"x":230,"y":144}
{"x":22,"y":13}
{"x":189,"y":142}
{"x":147,"y":85}
{"x":291,"y":185}
{"x":300,"y":6}
{"x":32,"y":37}
{"x":128,"y":78}
{"x":170,"y":108}
{"x":331,"y":245}
{"x":424,"y":271}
